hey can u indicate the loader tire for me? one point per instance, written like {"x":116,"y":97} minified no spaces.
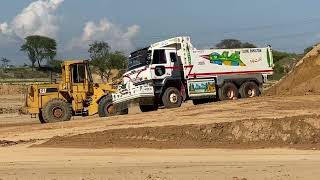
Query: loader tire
{"x":171,"y":98}
{"x":106,"y":109}
{"x":149,"y":108}
{"x":56,"y":110}
{"x":41,"y":118}
{"x":249,"y":90}
{"x":124,"y":112}
{"x":228,"y":91}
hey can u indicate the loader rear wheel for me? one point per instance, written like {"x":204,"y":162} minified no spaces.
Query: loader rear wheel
{"x":41,"y":118}
{"x":249,"y":90}
{"x":172,"y":98}
{"x":56,"y":110}
{"x":228,"y":91}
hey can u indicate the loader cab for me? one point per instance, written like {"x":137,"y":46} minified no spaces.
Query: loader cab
{"x":77,"y":77}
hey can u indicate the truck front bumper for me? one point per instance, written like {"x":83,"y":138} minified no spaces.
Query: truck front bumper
{"x":131,"y":92}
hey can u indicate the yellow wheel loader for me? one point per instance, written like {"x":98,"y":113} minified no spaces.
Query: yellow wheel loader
{"x":75,"y":95}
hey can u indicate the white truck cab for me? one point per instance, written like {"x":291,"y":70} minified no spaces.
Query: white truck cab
{"x":172,"y":71}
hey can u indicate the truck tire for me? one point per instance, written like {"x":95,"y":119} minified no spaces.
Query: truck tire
{"x":105,"y":108}
{"x":56,"y":110}
{"x":228,"y":91}
{"x":148,"y":108}
{"x":249,"y":90}
{"x":172,"y":98}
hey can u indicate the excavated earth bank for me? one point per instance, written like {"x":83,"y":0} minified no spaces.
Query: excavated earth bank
{"x":299,"y":131}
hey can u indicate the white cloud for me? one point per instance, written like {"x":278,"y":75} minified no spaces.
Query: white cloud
{"x":104,"y":30}
{"x":36,"y":19}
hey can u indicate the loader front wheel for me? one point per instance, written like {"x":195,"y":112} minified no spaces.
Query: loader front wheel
{"x":106,"y":107}
{"x":56,"y":110}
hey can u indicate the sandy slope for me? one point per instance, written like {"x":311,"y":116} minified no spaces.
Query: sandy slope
{"x":19,"y":161}
{"x":140,"y":164}
{"x":16,"y":127}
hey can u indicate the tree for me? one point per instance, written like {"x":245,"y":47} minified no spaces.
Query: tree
{"x":248,"y":45}
{"x":5,"y":62}
{"x":39,"y":48}
{"x":55,"y":65}
{"x":233,"y":44}
{"x":278,"y":55}
{"x":229,"y":44}
{"x":103,"y":60}
{"x":308,"y":49}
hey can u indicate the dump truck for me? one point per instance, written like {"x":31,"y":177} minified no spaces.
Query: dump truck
{"x":75,"y":95}
{"x":170,"y":72}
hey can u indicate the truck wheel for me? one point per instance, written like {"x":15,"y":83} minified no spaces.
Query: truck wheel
{"x":172,"y":98}
{"x":105,"y":108}
{"x":56,"y":110}
{"x":228,"y":91}
{"x":148,"y":108}
{"x":249,"y":90}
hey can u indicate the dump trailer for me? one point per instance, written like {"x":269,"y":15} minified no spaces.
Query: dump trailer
{"x":170,"y":72}
{"x":75,"y":95}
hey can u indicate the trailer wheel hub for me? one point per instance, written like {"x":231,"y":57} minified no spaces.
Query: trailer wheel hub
{"x":173,"y":98}
{"x":57,"y":112}
{"x":230,"y":94}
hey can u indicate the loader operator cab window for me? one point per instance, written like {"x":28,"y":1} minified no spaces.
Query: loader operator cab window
{"x":159,"y":57}
{"x":79,"y":73}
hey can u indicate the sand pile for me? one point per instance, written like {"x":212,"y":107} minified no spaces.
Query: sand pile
{"x":298,"y":130}
{"x":304,"y":79}
{"x":6,"y":89}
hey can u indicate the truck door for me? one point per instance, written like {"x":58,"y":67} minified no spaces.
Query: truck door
{"x":175,"y":64}
{"x":165,"y":63}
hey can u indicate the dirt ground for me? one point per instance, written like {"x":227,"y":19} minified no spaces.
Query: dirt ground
{"x":236,"y":140}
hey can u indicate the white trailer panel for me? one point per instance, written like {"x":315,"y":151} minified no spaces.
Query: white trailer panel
{"x":214,"y":62}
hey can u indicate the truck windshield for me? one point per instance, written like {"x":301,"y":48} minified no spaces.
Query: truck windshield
{"x":139,"y":58}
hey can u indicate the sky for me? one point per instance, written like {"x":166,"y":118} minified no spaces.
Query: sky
{"x":288,"y":25}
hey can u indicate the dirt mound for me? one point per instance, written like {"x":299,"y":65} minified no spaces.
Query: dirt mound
{"x":5,"y":143}
{"x":303,"y":79}
{"x":8,"y":110}
{"x":7,"y":89}
{"x":240,"y":134}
